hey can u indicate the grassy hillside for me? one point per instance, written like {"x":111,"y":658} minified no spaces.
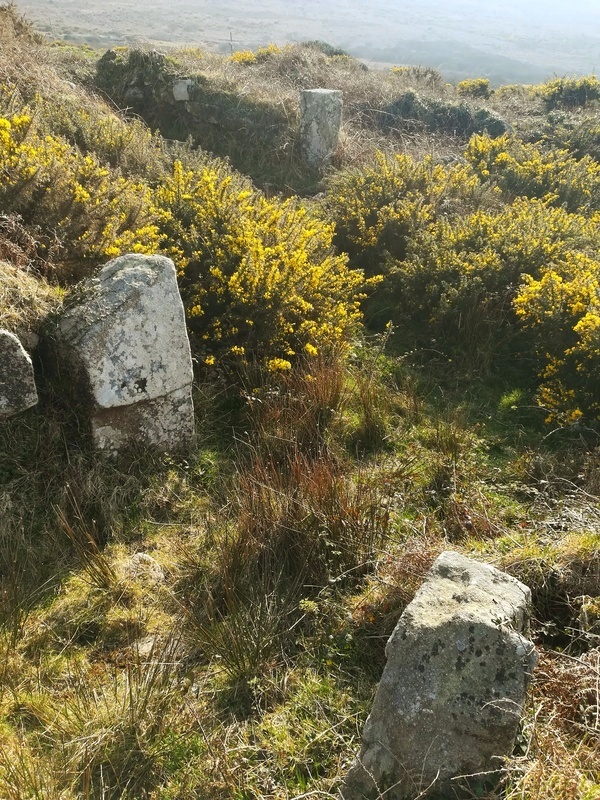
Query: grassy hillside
{"x":393,"y":359}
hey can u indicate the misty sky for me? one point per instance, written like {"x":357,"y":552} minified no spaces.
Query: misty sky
{"x":539,"y":36}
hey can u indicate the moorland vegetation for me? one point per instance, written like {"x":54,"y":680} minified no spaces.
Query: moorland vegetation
{"x":395,"y":358}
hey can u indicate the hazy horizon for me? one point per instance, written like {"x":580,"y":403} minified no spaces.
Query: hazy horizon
{"x":514,"y":41}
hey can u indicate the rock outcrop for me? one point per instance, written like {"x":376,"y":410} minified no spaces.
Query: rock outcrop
{"x":452,"y":692}
{"x":17,"y":383}
{"x":126,"y":342}
{"x":320,"y":122}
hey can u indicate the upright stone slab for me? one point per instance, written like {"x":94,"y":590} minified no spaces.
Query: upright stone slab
{"x":127,"y":343}
{"x":181,"y":89}
{"x":320,"y":122}
{"x":17,"y":383}
{"x":452,"y":692}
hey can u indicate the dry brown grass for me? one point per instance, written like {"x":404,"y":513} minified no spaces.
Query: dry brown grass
{"x":277,"y":80}
{"x":563,"y":753}
{"x":23,"y":57}
{"x":25,"y":299}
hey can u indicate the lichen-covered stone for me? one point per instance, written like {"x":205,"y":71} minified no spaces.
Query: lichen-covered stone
{"x":17,"y":383}
{"x":452,"y":692}
{"x":127,"y":340}
{"x":320,"y":122}
{"x":144,"y":567}
{"x":181,"y":89}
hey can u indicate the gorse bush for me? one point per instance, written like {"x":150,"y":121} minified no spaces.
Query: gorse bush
{"x":474,"y":278}
{"x":570,"y":92}
{"x":425,"y":75}
{"x":250,"y":57}
{"x":129,"y":146}
{"x":562,"y":310}
{"x":259,"y":278}
{"x":379,"y":209}
{"x":525,"y":170}
{"x":580,"y":137}
{"x":461,"y":277}
{"x":476,"y":87}
{"x":93,"y":128}
{"x":93,"y":211}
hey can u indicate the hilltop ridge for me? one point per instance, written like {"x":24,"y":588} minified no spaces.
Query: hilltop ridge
{"x":507,"y":43}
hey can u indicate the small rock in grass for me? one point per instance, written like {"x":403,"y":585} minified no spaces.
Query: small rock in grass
{"x":17,"y":383}
{"x":145,"y":567}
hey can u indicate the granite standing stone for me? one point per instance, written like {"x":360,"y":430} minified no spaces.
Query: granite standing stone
{"x":320,"y":122}
{"x":181,"y":89}
{"x":127,"y":342}
{"x":17,"y":383}
{"x":452,"y":692}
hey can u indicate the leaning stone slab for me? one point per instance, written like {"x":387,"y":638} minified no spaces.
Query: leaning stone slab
{"x":126,"y":340}
{"x":452,"y":692}
{"x":17,"y":383}
{"x":320,"y":122}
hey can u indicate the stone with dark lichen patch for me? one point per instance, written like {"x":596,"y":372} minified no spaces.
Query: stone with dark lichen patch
{"x":17,"y":383}
{"x":127,"y":343}
{"x":441,"y":711}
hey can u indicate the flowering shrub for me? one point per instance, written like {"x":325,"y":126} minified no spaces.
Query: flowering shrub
{"x":129,"y":146}
{"x":454,"y":269}
{"x":477,"y":87}
{"x":245,"y":57}
{"x":562,"y":311}
{"x":580,"y":137}
{"x":521,"y":169}
{"x":459,"y":280}
{"x":94,"y":211}
{"x":259,"y":278}
{"x":378,"y":209}
{"x":570,"y":92}
{"x":428,"y":76}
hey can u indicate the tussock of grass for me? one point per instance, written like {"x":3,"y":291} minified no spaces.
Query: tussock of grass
{"x":25,"y":300}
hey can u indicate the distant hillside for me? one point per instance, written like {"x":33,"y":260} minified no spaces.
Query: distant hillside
{"x":507,"y":43}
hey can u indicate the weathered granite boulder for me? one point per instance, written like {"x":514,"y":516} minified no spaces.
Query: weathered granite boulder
{"x":320,"y":122}
{"x":182,"y":88}
{"x":17,"y":383}
{"x":126,"y":342}
{"x":452,"y":692}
